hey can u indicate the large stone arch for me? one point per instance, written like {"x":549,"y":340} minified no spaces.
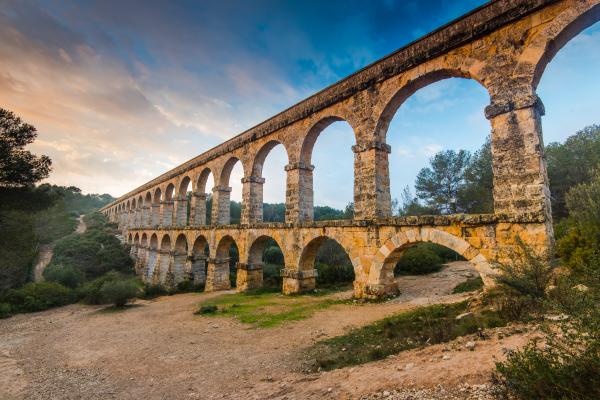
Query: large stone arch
{"x":309,"y":140}
{"x":407,"y":87}
{"x":153,"y":251}
{"x":546,"y":43}
{"x":218,"y":267}
{"x":165,"y":261}
{"x":199,"y":257}
{"x":250,"y":273}
{"x":381,"y":274}
{"x":180,"y":256}
{"x":221,"y":206}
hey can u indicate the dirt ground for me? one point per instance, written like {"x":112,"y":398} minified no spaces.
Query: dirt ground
{"x":160,"y":350}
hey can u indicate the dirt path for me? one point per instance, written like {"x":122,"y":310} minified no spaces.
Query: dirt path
{"x":46,"y":253}
{"x":160,"y":350}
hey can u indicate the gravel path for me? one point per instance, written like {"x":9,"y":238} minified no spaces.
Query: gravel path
{"x":160,"y":350}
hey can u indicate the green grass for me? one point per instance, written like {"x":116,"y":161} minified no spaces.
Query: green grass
{"x":469,"y":285}
{"x":266,"y":308}
{"x":408,"y":330}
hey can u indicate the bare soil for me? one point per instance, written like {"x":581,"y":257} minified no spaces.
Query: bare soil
{"x":159,"y":350}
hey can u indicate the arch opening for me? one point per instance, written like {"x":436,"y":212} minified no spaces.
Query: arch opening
{"x":156,"y":201}
{"x":202,"y":199}
{"x":327,"y":183}
{"x":165,"y":262}
{"x":200,"y":254}
{"x":183,"y":202}
{"x":227,"y":195}
{"x":152,"y":259}
{"x":324,"y":262}
{"x":267,"y":184}
{"x":222,"y":268}
{"x":441,"y":159}
{"x":180,"y":258}
{"x":265,"y":261}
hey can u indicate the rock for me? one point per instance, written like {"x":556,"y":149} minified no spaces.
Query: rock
{"x":470,"y":346}
{"x":559,"y":317}
{"x":464,"y":315}
{"x":386,"y":393}
{"x":408,"y":366}
{"x":581,"y":288}
{"x":445,"y":357}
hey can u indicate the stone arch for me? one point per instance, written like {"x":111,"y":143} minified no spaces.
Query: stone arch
{"x":555,"y":36}
{"x":261,"y":156}
{"x":183,"y":185}
{"x":313,"y":133}
{"x":257,"y":248}
{"x":218,"y":274}
{"x":381,"y":274}
{"x":408,"y":89}
{"x":157,"y":196}
{"x":181,"y":206}
{"x":167,"y":205}
{"x":226,"y":171}
{"x":165,"y":261}
{"x":169,"y":192}
{"x":136,"y":239}
{"x":199,"y":255}
{"x":130,"y":239}
{"x":180,"y":257}
{"x":152,"y":259}
{"x":202,"y":179}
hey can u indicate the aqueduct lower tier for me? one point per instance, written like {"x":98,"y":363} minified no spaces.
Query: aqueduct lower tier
{"x":169,"y":256}
{"x":504,"y":45}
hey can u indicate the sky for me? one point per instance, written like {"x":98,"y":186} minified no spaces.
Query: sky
{"x":122,"y":91}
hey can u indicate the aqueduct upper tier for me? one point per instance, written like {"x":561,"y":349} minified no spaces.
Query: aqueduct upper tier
{"x":504,"y":45}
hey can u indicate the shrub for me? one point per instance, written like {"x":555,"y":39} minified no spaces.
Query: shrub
{"x":330,"y":274}
{"x":120,"y":292}
{"x":5,"y":310}
{"x":418,"y":260}
{"x":528,"y":274}
{"x":272,"y":275}
{"x":273,"y":255}
{"x":189,"y":286}
{"x":469,"y":285}
{"x":39,"y":296}
{"x":152,"y":291}
{"x":208,"y":309}
{"x":66,"y":275}
{"x":91,"y":291}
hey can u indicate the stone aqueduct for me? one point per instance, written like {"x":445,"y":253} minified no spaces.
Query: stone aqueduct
{"x":504,"y":45}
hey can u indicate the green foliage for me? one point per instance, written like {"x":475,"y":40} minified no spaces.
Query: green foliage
{"x":5,"y":310}
{"x":272,"y":275}
{"x":274,"y":212}
{"x":17,"y":248}
{"x":476,"y":195}
{"x":120,"y":292}
{"x":152,"y":291}
{"x":94,"y":253}
{"x":331,"y":253}
{"x":570,"y":164}
{"x":209,"y":309}
{"x":266,"y":307}
{"x":567,"y":365}
{"x":418,"y":260}
{"x":66,"y":275}
{"x":189,"y":286}
{"x":334,"y":274}
{"x":91,"y":292}
{"x":440,"y":184}
{"x":528,"y":274}
{"x":273,"y":255}
{"x":19,"y":167}
{"x":408,"y":330}
{"x":38,"y":297}
{"x":409,"y":205}
{"x":469,"y":285}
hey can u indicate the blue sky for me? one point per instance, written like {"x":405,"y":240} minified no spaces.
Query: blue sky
{"x":123,"y":91}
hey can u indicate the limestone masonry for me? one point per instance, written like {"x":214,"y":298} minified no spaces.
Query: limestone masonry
{"x":504,"y":45}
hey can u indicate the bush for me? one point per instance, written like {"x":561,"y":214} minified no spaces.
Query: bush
{"x":91,"y":291}
{"x":469,"y":285}
{"x":528,"y":274}
{"x":39,"y":296}
{"x":330,"y":274}
{"x":152,"y":291}
{"x":5,"y":310}
{"x":208,"y":309}
{"x":418,"y":260}
{"x":272,"y":275}
{"x":66,"y":275}
{"x":273,"y":255}
{"x":120,"y":292}
{"x":189,"y":286}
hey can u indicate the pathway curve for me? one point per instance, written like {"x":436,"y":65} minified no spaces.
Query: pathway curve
{"x":46,"y":253}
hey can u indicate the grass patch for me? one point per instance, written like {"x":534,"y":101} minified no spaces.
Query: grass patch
{"x":408,"y":330}
{"x":267,"y":307}
{"x":469,"y":285}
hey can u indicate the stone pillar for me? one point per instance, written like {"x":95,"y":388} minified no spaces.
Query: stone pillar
{"x":371,"y":180}
{"x":220,"y":214}
{"x":166,"y":213}
{"x":155,"y":222}
{"x":252,"y":199}
{"x":519,"y":166}
{"x":130,"y":219}
{"x":137,"y":218}
{"x":198,"y":269}
{"x":146,"y":216}
{"x":150,"y":272}
{"x":295,"y":281}
{"x":140,"y":262}
{"x":165,"y":268}
{"x":181,"y":211}
{"x":198,"y":216}
{"x":179,"y":262}
{"x":218,"y":275}
{"x":249,"y":276}
{"x":299,"y":193}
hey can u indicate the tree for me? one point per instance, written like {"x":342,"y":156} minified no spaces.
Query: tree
{"x":476,"y":196}
{"x":19,"y":167}
{"x":409,"y":205}
{"x":440,"y":184}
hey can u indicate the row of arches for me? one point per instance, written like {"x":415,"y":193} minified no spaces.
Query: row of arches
{"x":226,"y":261}
{"x":183,"y":201}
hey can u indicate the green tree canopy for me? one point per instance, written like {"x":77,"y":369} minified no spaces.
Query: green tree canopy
{"x":19,"y":167}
